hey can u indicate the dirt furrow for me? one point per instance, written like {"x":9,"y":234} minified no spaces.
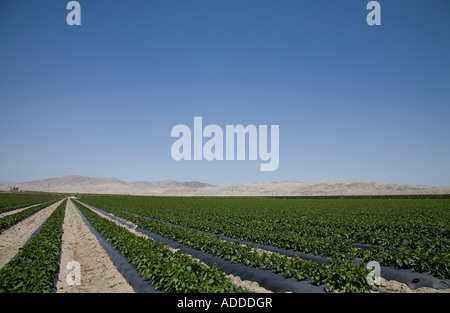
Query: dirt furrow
{"x":12,"y":239}
{"x":97,"y":273}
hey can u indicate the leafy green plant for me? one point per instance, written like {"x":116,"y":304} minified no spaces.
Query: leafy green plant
{"x":10,"y":220}
{"x":34,"y":268}
{"x":13,"y":201}
{"x":405,"y":232}
{"x":172,"y":272}
{"x":236,"y":252}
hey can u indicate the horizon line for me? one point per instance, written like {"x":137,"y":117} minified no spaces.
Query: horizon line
{"x":235,"y":183}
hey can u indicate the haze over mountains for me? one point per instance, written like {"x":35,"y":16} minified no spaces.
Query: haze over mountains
{"x":81,"y":184}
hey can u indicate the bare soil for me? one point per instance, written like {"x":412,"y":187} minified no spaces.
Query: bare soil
{"x":12,"y":239}
{"x":247,"y":284}
{"x":397,"y":287}
{"x":98,"y":273}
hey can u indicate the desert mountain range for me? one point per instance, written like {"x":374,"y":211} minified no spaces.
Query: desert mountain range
{"x":81,"y":184}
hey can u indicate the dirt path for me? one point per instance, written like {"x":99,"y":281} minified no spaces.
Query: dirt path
{"x":15,"y":237}
{"x":15,"y":211}
{"x":395,"y":286}
{"x":97,"y":272}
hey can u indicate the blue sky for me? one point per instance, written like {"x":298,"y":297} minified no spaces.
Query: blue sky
{"x":352,"y":101}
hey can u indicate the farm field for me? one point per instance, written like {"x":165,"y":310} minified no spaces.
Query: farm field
{"x":225,"y":244}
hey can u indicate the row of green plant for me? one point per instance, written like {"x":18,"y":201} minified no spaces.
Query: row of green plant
{"x":36,"y":265}
{"x":405,"y":233}
{"x":389,"y":197}
{"x":434,"y":260}
{"x":166,"y":270}
{"x":352,"y":277}
{"x":12,"y":219}
{"x":13,"y":201}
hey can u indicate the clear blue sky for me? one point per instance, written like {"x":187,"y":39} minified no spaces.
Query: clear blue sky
{"x":100,"y":99}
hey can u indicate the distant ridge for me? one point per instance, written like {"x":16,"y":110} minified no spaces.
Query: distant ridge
{"x":344,"y":187}
{"x":82,"y":184}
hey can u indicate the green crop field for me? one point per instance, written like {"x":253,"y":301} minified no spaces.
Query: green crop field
{"x":408,"y":233}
